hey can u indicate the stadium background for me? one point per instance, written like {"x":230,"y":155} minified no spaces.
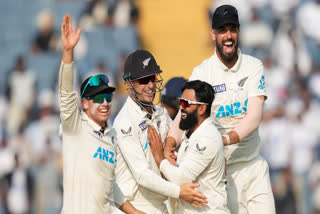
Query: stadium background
{"x":284,"y":34}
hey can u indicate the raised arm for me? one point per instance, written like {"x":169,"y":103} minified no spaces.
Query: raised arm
{"x":69,"y":111}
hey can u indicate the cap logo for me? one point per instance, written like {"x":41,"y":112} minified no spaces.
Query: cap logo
{"x":225,"y":12}
{"x":146,"y":62}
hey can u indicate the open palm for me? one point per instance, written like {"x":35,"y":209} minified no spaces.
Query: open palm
{"x":69,"y":37}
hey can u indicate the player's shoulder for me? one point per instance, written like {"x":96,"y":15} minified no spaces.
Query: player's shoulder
{"x":123,"y":118}
{"x":250,"y":60}
{"x":205,"y":63}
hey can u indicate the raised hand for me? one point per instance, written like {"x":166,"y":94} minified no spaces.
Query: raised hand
{"x":69,"y":37}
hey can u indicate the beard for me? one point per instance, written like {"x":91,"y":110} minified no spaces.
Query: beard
{"x":229,"y":57}
{"x":190,"y":121}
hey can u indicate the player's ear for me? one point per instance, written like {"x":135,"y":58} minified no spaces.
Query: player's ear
{"x":85,"y":104}
{"x":202,"y":109}
{"x":212,"y":35}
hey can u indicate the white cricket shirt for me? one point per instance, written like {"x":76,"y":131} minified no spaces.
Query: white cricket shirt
{"x":137,"y":172}
{"x":201,"y":160}
{"x":89,"y":157}
{"x":232,"y":89}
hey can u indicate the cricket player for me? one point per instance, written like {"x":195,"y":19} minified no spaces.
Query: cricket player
{"x":200,"y":156}
{"x":89,"y":141}
{"x":239,"y":84}
{"x":137,"y":172}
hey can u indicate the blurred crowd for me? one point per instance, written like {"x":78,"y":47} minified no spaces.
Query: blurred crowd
{"x":284,"y":34}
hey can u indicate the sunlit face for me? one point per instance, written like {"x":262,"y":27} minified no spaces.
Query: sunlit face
{"x":98,"y":112}
{"x":227,"y":41}
{"x":145,"y":88}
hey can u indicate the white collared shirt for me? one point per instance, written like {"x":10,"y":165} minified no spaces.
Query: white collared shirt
{"x":89,"y":157}
{"x":137,"y":172}
{"x":232,"y":89}
{"x":201,"y":160}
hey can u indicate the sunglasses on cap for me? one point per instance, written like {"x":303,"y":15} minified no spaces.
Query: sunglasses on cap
{"x":95,"y":81}
{"x":186,"y":103}
{"x":146,"y":80}
{"x":100,"y":98}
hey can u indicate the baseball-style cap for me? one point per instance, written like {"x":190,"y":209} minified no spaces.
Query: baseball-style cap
{"x":172,"y":91}
{"x":95,"y":85}
{"x":140,"y":64}
{"x":173,"y":87}
{"x":225,"y":14}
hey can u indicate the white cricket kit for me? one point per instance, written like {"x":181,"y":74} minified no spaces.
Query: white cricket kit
{"x":201,"y":160}
{"x":232,"y":89}
{"x":89,"y":157}
{"x":137,"y":173}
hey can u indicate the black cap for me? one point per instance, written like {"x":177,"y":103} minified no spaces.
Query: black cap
{"x":91,"y":91}
{"x":225,"y":14}
{"x":140,"y":64}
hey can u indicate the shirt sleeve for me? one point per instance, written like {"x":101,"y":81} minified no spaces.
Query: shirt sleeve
{"x":69,"y":110}
{"x":119,"y":198}
{"x":195,"y":74}
{"x":134,"y":156}
{"x":196,"y":159}
{"x":256,"y":80}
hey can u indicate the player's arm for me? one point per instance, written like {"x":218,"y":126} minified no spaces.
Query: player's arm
{"x":256,"y":98}
{"x":196,"y":160}
{"x":69,"y":104}
{"x":134,"y":156}
{"x":127,"y":207}
{"x":173,"y":139}
{"x":248,"y":124}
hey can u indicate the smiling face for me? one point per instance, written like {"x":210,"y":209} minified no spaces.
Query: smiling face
{"x":144,"y":88}
{"x":98,"y":112}
{"x":226,"y":40}
{"x":189,"y":115}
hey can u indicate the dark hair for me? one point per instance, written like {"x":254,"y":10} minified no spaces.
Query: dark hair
{"x":203,"y":91}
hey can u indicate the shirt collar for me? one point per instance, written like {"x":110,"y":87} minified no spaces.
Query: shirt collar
{"x":224,"y":67}
{"x":198,"y":130}
{"x":94,"y":125}
{"x":141,"y":113}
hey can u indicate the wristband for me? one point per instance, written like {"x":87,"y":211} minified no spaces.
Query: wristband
{"x":227,"y":138}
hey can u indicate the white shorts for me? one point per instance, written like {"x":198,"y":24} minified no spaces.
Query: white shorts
{"x":249,"y":188}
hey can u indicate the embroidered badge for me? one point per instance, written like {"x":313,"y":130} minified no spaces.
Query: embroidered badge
{"x":219,"y":88}
{"x":143,"y":126}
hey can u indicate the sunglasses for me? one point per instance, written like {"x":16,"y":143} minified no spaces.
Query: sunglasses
{"x":146,"y":80}
{"x":186,"y":103}
{"x":101,"y":97}
{"x":95,"y":81}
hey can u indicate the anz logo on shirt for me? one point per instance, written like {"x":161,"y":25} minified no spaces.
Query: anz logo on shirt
{"x":232,"y":110}
{"x":104,"y":154}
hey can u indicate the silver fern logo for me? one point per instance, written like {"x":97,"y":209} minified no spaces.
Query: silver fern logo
{"x":242,"y":81}
{"x":146,"y":62}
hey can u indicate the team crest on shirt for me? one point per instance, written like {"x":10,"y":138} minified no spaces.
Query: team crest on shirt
{"x":126,"y":132}
{"x":219,"y":88}
{"x":143,"y":126}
